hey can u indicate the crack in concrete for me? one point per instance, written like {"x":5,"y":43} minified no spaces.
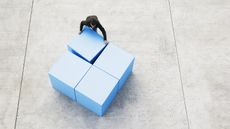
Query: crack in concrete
{"x":23,"y":66}
{"x":178,"y":62}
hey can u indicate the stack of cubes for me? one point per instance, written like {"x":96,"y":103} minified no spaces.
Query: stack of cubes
{"x":91,"y":72}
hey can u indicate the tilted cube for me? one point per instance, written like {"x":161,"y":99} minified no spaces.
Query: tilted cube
{"x":96,"y":90}
{"x":116,"y":62}
{"x":67,"y":72}
{"x":88,"y":45}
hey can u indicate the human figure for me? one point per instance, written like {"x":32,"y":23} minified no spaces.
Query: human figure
{"x":93,"y":22}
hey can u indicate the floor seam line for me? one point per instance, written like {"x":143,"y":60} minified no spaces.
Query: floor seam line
{"x":178,"y":62}
{"x":23,"y":66}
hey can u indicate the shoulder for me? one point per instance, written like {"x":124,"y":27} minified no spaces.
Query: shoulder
{"x":84,"y":22}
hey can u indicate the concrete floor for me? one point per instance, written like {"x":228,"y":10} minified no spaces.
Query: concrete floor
{"x":181,"y":77}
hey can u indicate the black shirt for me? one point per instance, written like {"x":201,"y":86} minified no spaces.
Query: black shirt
{"x":98,"y":25}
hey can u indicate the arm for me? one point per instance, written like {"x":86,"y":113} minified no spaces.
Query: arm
{"x":102,"y":30}
{"x":82,"y":24}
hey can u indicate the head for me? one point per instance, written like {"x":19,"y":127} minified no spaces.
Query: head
{"x":93,"y":23}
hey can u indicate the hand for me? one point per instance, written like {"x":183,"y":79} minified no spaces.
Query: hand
{"x":106,"y":42}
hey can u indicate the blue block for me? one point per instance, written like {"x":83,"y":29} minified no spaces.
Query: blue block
{"x":67,"y":72}
{"x":88,"y":45}
{"x":116,"y":62}
{"x":96,"y":90}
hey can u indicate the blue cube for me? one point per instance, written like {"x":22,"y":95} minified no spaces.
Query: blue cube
{"x":67,"y":72}
{"x":96,"y":90}
{"x":88,"y":45}
{"x":116,"y":62}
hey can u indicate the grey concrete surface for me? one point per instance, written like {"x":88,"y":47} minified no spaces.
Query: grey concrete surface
{"x":14,"y":21}
{"x":180,"y":77}
{"x":202,"y":33}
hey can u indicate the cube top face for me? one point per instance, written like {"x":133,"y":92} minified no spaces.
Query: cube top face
{"x":97,"y":85}
{"x":70,"y":69}
{"x":88,"y":44}
{"x":114,"y":60}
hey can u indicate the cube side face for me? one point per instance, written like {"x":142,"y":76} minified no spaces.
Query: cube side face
{"x":77,"y":54}
{"x":88,"y":103}
{"x":126,"y":75}
{"x":87,"y":45}
{"x":67,"y":72}
{"x":62,"y":87}
{"x":98,"y":54}
{"x":109,"y":99}
{"x":96,"y":90}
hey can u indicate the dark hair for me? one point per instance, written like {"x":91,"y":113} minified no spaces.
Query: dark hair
{"x":93,"y":21}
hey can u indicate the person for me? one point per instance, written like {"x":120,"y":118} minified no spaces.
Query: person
{"x":93,"y":22}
